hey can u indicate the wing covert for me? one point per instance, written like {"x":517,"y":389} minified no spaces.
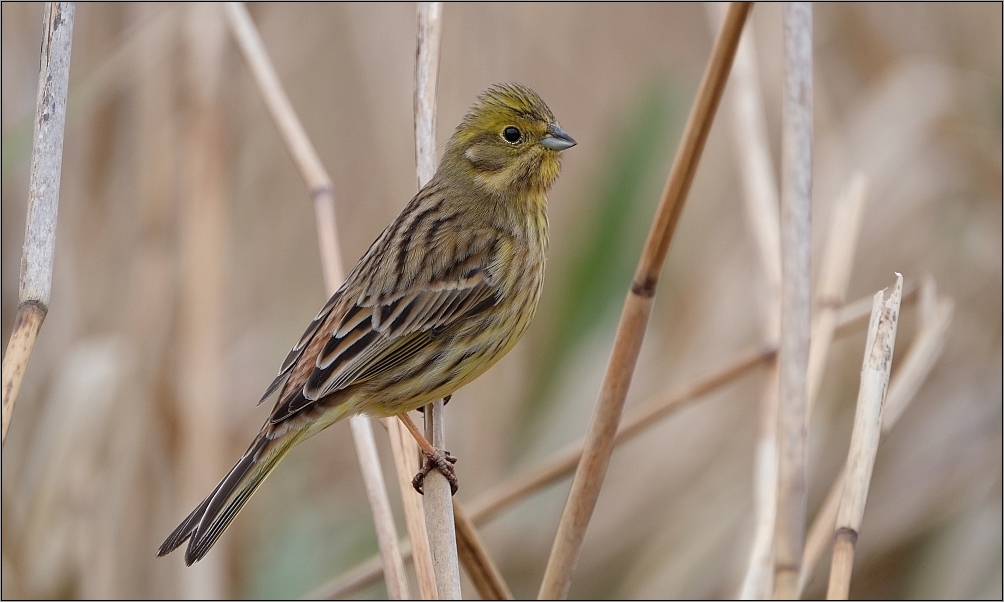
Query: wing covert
{"x":362,"y":349}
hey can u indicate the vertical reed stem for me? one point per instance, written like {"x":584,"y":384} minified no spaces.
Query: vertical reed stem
{"x":43,"y":200}
{"x":796,"y":248}
{"x":438,"y":502}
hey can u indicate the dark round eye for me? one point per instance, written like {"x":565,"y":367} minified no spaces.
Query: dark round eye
{"x":512,"y":134}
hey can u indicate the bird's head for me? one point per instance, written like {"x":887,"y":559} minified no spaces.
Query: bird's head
{"x":508,"y":142}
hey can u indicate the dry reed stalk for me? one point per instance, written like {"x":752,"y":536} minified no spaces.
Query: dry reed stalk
{"x":854,"y":315}
{"x":838,"y":258}
{"x":761,"y":202}
{"x":796,"y":282}
{"x":758,"y":581}
{"x":865,"y":437}
{"x":294,"y":136}
{"x":836,"y":266}
{"x":43,"y":201}
{"x":936,"y":317}
{"x":322,"y":191}
{"x":430,"y":28}
{"x":834,"y":276}
{"x":438,"y":494}
{"x":910,"y":375}
{"x":439,"y":518}
{"x":637,"y":308}
{"x":406,"y":462}
{"x":203,"y":240}
{"x":480,"y":566}
{"x":563,"y":462}
{"x":376,"y":492}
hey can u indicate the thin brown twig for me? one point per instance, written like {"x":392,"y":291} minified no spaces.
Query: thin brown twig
{"x":322,"y":191}
{"x":796,"y":279}
{"x":865,"y":436}
{"x":562,"y":463}
{"x":43,"y":201}
{"x":637,"y":308}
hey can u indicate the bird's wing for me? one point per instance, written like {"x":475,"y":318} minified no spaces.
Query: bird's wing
{"x":380,"y":331}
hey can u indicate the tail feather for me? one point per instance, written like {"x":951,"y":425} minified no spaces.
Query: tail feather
{"x":185,"y":529}
{"x":208,"y":521}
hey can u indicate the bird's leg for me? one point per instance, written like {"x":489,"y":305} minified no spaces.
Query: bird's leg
{"x":433,"y":459}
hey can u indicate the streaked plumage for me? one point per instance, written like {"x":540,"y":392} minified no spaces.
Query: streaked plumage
{"x":443,"y":293}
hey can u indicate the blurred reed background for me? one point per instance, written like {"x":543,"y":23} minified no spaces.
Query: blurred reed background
{"x":187,"y":264}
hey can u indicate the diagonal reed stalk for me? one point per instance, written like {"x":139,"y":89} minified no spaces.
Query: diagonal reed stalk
{"x":865,"y":437}
{"x":321,"y":190}
{"x":562,"y":463}
{"x":796,"y":279}
{"x":406,"y":463}
{"x":637,"y":308}
{"x":43,"y":201}
{"x":480,"y":566}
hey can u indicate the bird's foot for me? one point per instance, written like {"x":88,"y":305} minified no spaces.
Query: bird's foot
{"x":444,"y":463}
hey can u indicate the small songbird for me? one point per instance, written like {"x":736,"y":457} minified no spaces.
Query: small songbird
{"x":443,"y":293}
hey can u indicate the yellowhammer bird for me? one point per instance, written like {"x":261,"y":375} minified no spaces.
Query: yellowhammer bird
{"x":442,"y":294}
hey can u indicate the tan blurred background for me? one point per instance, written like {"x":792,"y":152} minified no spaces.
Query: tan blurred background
{"x":187,"y":264}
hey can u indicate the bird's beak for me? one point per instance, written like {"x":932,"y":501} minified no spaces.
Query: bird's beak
{"x":557,"y":139}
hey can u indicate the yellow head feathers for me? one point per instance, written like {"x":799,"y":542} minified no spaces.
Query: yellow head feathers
{"x":508,"y":141}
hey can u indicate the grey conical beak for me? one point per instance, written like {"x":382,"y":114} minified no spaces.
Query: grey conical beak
{"x":557,"y":139}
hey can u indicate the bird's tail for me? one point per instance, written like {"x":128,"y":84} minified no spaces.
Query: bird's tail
{"x":210,"y":518}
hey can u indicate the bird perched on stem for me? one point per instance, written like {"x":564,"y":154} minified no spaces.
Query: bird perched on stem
{"x":443,"y":293}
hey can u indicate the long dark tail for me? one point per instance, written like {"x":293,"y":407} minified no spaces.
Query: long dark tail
{"x":210,"y":518}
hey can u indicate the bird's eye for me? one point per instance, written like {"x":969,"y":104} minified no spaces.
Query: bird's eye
{"x":512,"y":134}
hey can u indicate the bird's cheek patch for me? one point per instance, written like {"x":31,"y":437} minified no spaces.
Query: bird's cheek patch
{"x":486,"y":158}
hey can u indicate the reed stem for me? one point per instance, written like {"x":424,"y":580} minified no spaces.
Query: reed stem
{"x":39,"y":247}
